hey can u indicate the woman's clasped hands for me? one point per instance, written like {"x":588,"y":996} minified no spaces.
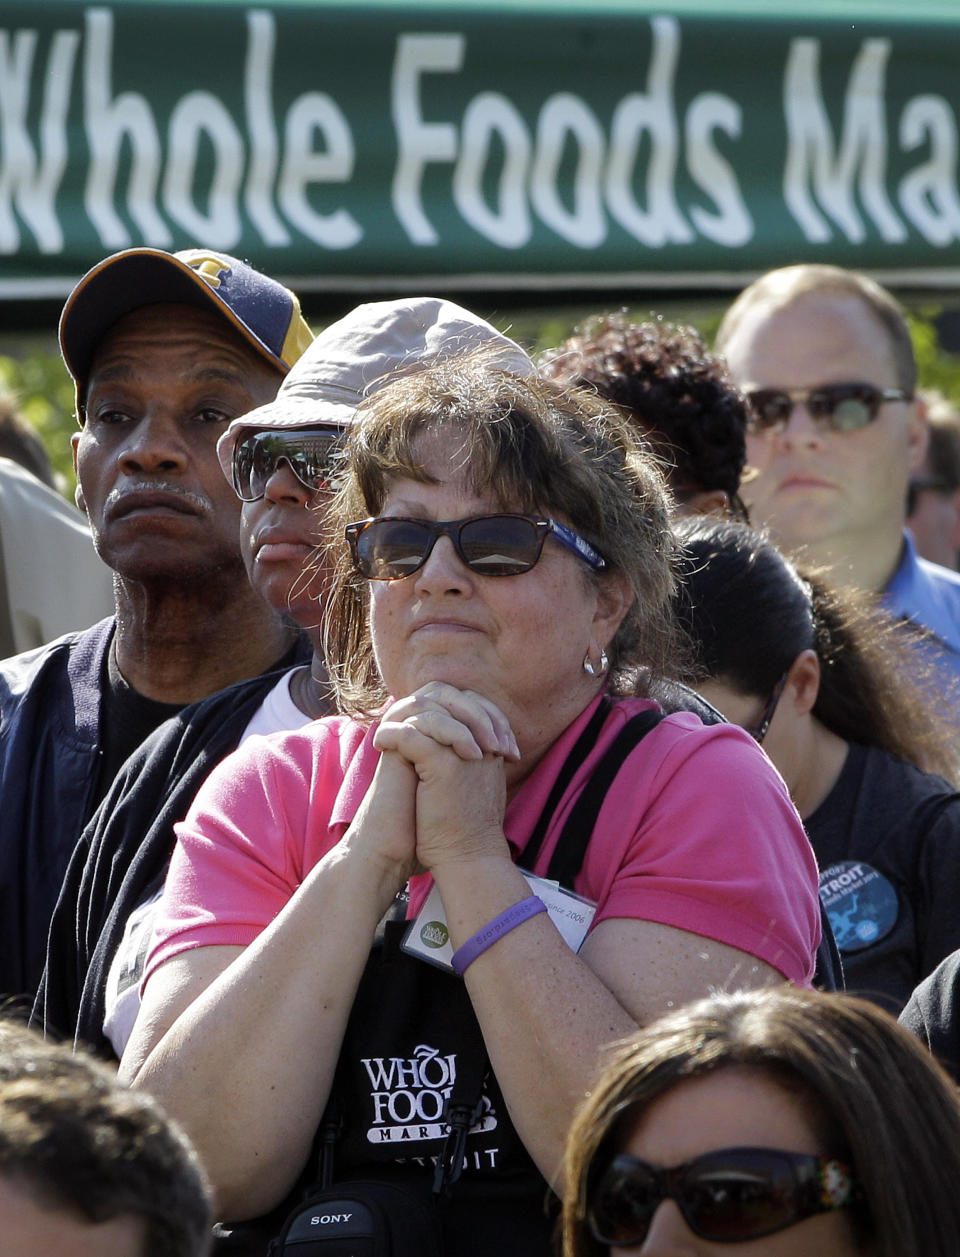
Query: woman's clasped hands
{"x":456,"y":745}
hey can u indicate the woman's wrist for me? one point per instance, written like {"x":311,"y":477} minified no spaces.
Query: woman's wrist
{"x":365,"y":875}
{"x":470,"y":866}
{"x":476,"y":849}
{"x":475,"y":891}
{"x":491,"y":933}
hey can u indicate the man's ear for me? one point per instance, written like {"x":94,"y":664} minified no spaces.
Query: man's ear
{"x":918,"y":436}
{"x":803,"y":682}
{"x":78,"y":492}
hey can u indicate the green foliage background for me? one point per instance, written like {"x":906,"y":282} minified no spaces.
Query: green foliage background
{"x":36,"y":376}
{"x":32,"y":370}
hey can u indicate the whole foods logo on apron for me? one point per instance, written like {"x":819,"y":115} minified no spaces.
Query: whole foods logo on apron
{"x":408,"y":1095}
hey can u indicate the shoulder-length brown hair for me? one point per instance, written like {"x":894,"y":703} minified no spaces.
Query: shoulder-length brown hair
{"x":535,"y":447}
{"x":877,"y":1098}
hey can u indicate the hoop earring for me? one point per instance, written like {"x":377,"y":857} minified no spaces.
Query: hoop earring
{"x":596,"y":669}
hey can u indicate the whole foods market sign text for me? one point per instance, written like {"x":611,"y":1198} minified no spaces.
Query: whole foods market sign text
{"x":346,"y":145}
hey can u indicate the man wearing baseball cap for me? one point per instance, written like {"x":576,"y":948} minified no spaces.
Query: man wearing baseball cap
{"x":165,"y":350}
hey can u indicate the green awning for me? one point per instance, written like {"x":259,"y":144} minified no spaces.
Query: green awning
{"x":456,"y":144}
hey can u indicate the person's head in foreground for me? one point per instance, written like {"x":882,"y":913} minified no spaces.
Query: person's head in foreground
{"x":780,"y":1123}
{"x":537,"y":481}
{"x":87,"y":1167}
{"x":678,"y":395}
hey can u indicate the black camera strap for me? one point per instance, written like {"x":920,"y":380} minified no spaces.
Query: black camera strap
{"x":577,"y":756}
{"x":461,"y":1113}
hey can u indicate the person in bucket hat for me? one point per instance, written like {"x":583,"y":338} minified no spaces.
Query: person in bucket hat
{"x":165,"y":349}
{"x":366,"y":349}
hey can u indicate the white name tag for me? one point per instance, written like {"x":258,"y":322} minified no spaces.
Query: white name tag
{"x":427,"y":935}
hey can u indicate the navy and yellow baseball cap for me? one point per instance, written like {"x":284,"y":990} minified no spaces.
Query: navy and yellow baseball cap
{"x":266,"y":314}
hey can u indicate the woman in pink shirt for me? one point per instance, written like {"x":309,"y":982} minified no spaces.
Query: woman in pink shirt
{"x":508,"y":571}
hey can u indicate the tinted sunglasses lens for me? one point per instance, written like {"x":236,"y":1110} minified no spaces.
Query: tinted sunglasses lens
{"x":500,"y":545}
{"x":767,"y":408}
{"x":308,"y":453}
{"x":389,"y":549}
{"x":623,"y":1205}
{"x":312,"y":458}
{"x":727,"y":1201}
{"x":847,"y":406}
{"x":243,"y":470}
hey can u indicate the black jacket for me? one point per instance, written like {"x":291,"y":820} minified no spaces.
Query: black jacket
{"x":49,"y":764}
{"x":932,"y":1013}
{"x":122,"y":856}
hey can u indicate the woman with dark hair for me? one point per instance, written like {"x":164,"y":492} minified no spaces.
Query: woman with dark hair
{"x":508,"y":567}
{"x":817,"y":675}
{"x":778,"y":1122}
{"x":678,"y":396}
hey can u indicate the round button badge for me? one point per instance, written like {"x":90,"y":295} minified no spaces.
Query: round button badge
{"x":861,"y":903}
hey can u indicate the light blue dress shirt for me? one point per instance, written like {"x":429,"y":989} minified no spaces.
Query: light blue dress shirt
{"x":928,"y":595}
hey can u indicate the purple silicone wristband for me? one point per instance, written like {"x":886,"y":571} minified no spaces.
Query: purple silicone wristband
{"x":464,"y":956}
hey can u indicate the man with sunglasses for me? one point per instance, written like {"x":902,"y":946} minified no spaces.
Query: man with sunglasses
{"x":164,"y":349}
{"x":825,"y":359}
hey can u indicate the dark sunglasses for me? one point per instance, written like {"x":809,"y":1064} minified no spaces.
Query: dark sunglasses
{"x":309,"y":453}
{"x":726,"y":1196}
{"x":838,"y":407}
{"x":391,"y":547}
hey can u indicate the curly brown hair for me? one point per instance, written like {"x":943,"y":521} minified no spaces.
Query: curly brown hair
{"x":671,"y":386}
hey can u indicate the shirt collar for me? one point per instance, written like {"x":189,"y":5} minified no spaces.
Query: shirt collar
{"x":916,"y":592}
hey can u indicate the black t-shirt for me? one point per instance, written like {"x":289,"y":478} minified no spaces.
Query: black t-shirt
{"x":887,"y":839}
{"x":126,"y":719}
